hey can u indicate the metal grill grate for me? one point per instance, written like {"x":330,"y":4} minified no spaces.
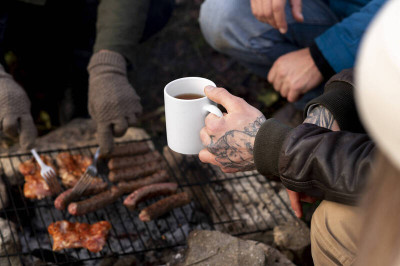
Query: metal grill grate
{"x":238,"y":204}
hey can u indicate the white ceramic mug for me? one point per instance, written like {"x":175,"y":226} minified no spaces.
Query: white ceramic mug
{"x":185,"y":118}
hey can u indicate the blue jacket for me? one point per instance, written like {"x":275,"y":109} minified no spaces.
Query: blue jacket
{"x":339,"y":44}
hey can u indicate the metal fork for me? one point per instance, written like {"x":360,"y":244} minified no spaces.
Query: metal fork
{"x":48,"y":174}
{"x":86,"y":178}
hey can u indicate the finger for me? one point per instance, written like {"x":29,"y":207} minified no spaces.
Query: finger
{"x":10,"y":126}
{"x":223,"y":97}
{"x":278,"y":11}
{"x":206,"y":157}
{"x":28,"y":131}
{"x":205,"y":138}
{"x":119,"y":127}
{"x":284,"y":89}
{"x":278,"y":84}
{"x":297,"y":10}
{"x":132,"y":120}
{"x":306,"y":198}
{"x":295,"y":203}
{"x":213,"y":123}
{"x":293,"y":95}
{"x":105,"y":138}
{"x":266,"y":7}
{"x":272,"y":73}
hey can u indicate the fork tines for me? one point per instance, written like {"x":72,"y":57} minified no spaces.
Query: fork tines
{"x":51,"y":180}
{"x":82,"y":184}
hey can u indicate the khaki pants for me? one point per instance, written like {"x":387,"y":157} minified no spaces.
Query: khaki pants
{"x":334,"y":231}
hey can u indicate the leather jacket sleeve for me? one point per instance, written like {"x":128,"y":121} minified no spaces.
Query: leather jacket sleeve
{"x":325,"y":164}
{"x":317,"y":161}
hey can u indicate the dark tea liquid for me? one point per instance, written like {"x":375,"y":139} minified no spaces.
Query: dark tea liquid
{"x":189,"y":96}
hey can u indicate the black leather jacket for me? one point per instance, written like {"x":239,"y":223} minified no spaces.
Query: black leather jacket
{"x":317,"y":161}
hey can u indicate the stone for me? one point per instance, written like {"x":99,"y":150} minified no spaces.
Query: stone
{"x":295,"y":237}
{"x":9,"y":243}
{"x":3,"y":195}
{"x":216,"y":248}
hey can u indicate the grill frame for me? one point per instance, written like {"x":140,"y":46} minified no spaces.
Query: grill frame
{"x":205,"y":178}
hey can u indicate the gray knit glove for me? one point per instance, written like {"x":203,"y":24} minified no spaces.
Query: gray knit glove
{"x":15,"y":116}
{"x":113,"y":103}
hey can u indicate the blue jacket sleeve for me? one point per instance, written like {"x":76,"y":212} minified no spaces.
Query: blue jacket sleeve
{"x":339,"y":44}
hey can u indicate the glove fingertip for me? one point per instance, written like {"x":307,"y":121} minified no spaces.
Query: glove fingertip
{"x":28,"y":132}
{"x":105,"y":139}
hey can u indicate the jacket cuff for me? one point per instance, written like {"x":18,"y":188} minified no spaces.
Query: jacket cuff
{"x":322,"y":64}
{"x":338,"y":98}
{"x":267,"y":146}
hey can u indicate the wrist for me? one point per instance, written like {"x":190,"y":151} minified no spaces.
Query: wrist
{"x":267,"y":146}
{"x":320,"y":62}
{"x":106,"y":61}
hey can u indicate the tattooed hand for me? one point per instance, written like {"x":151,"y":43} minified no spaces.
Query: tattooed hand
{"x":230,"y":139}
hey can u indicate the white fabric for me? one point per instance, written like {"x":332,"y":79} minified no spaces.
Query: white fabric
{"x":378,"y":80}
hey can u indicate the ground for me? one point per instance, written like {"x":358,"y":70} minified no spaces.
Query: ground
{"x":180,"y":50}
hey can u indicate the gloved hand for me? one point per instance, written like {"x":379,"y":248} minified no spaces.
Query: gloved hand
{"x":15,"y":116}
{"x":113,"y":103}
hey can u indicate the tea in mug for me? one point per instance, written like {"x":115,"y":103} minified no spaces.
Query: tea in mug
{"x":189,"y":96}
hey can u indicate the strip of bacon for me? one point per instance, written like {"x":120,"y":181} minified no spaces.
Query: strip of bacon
{"x":79,"y":235}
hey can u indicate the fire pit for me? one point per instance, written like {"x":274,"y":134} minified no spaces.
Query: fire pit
{"x":238,"y":204}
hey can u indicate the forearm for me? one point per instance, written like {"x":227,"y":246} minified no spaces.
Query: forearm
{"x":339,"y":44}
{"x":313,"y":159}
{"x":325,"y":164}
{"x":120,"y":26}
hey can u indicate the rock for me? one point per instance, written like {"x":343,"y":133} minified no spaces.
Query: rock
{"x":79,"y":132}
{"x":9,"y":243}
{"x":295,"y":237}
{"x":3,"y":195}
{"x":216,"y":248}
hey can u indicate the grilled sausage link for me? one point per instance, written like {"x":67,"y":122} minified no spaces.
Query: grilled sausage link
{"x":158,"y":177}
{"x":129,"y":149}
{"x":135,"y":171}
{"x":163,"y":206}
{"x":149,"y":191}
{"x":123,"y":162}
{"x":65,"y":198}
{"x":94,"y":203}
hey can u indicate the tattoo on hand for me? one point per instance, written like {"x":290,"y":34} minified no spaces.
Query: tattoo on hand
{"x":235,"y":148}
{"x":320,"y":116}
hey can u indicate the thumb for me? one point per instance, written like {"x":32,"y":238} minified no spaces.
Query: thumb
{"x":28,"y":132}
{"x":120,"y":127}
{"x":296,"y":10}
{"x":105,"y":138}
{"x":223,"y":97}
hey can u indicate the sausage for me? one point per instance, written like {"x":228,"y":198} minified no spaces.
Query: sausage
{"x":149,"y":191}
{"x":135,"y":171}
{"x":64,"y":198}
{"x":158,"y":177}
{"x":129,"y":149}
{"x":123,"y":162}
{"x":163,"y":206}
{"x":94,"y":203}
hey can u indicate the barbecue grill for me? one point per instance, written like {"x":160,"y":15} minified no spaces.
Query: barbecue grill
{"x":239,"y":204}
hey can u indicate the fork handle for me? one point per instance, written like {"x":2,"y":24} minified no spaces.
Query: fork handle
{"x":37,"y":157}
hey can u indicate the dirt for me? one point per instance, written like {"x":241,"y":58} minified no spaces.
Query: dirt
{"x":179,"y":50}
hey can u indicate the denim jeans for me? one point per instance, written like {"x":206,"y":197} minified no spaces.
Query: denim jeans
{"x":230,"y":27}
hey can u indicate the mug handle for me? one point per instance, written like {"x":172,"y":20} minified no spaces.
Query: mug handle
{"x":213,"y":109}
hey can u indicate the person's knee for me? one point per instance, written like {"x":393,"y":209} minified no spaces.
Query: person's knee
{"x":333,"y":234}
{"x":215,"y":20}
